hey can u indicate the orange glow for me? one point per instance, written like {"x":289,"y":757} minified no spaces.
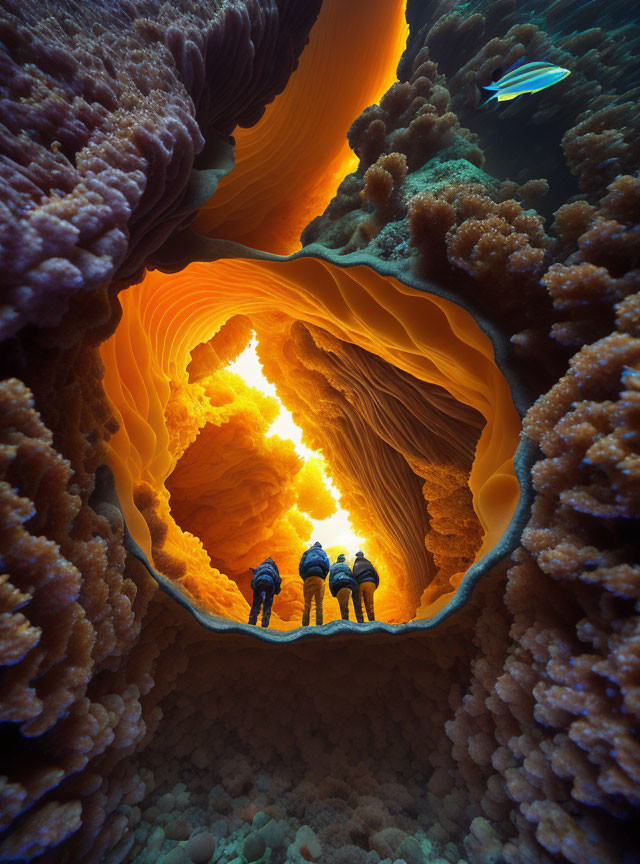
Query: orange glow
{"x":192,"y":427}
{"x":289,"y":165}
{"x":160,"y":411}
{"x":318,"y":496}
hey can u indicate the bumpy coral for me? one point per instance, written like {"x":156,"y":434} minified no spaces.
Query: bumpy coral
{"x":104,"y":110}
{"x":603,"y":143}
{"x":71,"y":612}
{"x":382,"y":183}
{"x":603,"y":270}
{"x":583,"y":755}
{"x":496,"y":244}
{"x":412,"y":118}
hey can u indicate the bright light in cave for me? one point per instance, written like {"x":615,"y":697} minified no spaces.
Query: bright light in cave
{"x":337,"y":530}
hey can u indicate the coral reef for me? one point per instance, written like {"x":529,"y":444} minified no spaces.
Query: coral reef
{"x":496,"y":244}
{"x":72,"y":611}
{"x":601,"y":269}
{"x":593,"y":110}
{"x":104,"y":111}
{"x":130,"y":732}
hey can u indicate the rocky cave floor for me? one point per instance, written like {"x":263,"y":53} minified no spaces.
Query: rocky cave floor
{"x":308,"y":750}
{"x":206,"y":824}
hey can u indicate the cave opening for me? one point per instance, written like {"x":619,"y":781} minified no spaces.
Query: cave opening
{"x":398,"y":389}
{"x":281,"y":477}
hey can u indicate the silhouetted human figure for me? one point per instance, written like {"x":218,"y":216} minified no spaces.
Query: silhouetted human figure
{"x":313,"y":568}
{"x":266,"y":583}
{"x":368,"y":580}
{"x":343,"y":586}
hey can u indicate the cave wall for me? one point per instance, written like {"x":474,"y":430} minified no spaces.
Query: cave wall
{"x":287,"y":169}
{"x":428,"y":338}
{"x":361,"y":411}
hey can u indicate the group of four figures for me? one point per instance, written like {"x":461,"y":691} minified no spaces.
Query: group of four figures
{"x":357,"y":584}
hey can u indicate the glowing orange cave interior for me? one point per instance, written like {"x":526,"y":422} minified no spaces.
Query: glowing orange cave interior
{"x":396,"y":391}
{"x":397,"y":388}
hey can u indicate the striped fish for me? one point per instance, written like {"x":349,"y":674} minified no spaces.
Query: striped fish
{"x":530,"y":78}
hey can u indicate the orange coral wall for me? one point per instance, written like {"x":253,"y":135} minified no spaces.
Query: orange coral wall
{"x":166,"y":316}
{"x":400,"y":451}
{"x":236,"y":488}
{"x":289,"y":165}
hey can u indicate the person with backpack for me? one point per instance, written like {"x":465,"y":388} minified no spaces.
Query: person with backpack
{"x":368,"y":580}
{"x":344,"y":587}
{"x":313,"y":569}
{"x":266,"y":583}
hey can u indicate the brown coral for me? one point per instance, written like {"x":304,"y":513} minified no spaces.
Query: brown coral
{"x":412,"y":118}
{"x":603,"y":265}
{"x":603,"y":142}
{"x":71,"y":609}
{"x":503,"y":249}
{"x":90,"y":190}
{"x":382,"y":191}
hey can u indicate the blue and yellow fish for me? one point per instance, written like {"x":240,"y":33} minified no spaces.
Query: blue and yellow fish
{"x":529,"y":78}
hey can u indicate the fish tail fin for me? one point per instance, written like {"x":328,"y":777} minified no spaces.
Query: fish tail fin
{"x":493,"y":96}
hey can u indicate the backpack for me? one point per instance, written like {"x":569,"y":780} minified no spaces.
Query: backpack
{"x":315,"y":562}
{"x":364,"y":571}
{"x":264,"y":575}
{"x":341,"y":577}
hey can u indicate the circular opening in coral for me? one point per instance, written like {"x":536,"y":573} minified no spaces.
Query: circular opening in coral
{"x":397,"y":390}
